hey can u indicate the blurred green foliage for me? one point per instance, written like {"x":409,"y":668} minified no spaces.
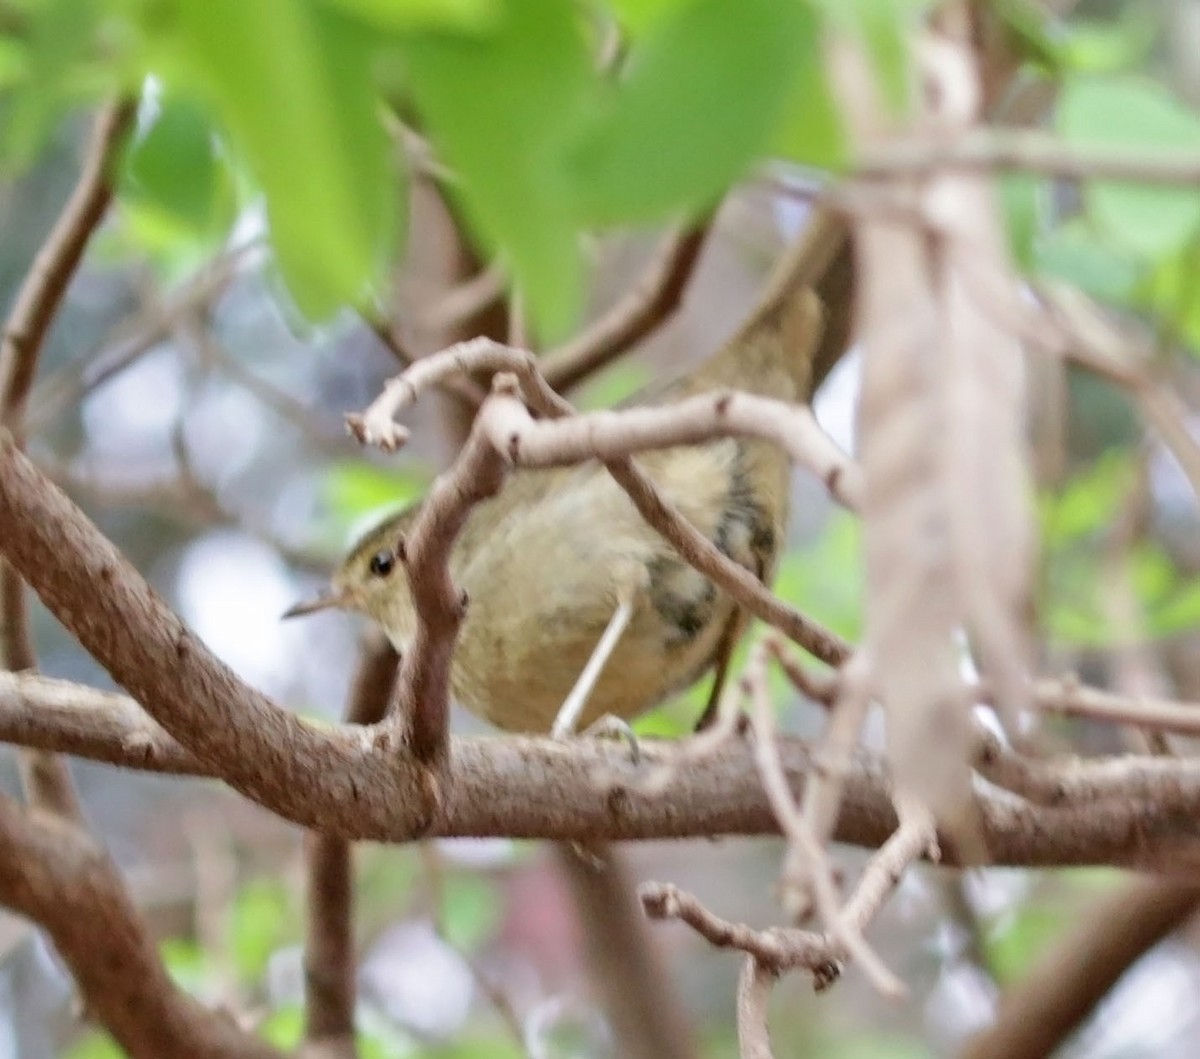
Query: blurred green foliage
{"x":1017,"y":939}
{"x":357,"y":494}
{"x":263,"y":918}
{"x":470,"y":911}
{"x":290,"y":99}
{"x":1137,"y":114}
{"x":1078,"y":524}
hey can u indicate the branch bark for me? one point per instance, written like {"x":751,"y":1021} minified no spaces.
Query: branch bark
{"x":653,"y":301}
{"x":46,"y":780}
{"x":624,"y":959}
{"x":53,"y":873}
{"x":329,"y":957}
{"x":588,"y":791}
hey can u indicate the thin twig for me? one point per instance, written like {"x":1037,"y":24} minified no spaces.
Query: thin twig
{"x":807,"y":866}
{"x":611,"y":434}
{"x":459,"y":387}
{"x":47,"y":780}
{"x":72,"y":383}
{"x":778,"y":948}
{"x":654,"y":300}
{"x":1095,"y":340}
{"x":1026,"y":150}
{"x":465,"y":301}
{"x":753,"y":994}
{"x":330,"y":971}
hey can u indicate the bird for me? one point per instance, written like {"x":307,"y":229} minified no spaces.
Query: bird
{"x":580,"y":611}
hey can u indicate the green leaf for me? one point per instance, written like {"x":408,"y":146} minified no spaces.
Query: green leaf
{"x":1076,"y":253}
{"x":500,"y":107}
{"x":701,"y":100}
{"x":638,"y":17}
{"x":262,"y":921}
{"x":59,"y":34}
{"x":1097,"y":47}
{"x":284,"y":1028}
{"x":1172,"y":293}
{"x":292,"y":81}
{"x":1015,"y":945}
{"x":1089,"y":502}
{"x":497,"y":1046}
{"x":405,"y":15}
{"x":811,"y":130}
{"x":824,"y":578}
{"x":611,"y":386}
{"x":470,"y":912}
{"x":174,"y":165}
{"x":14,"y":62}
{"x":1013,"y":950}
{"x":1178,"y":613}
{"x":1042,"y":36}
{"x":95,"y":1045}
{"x":1143,"y":117}
{"x":188,"y":964}
{"x":1020,"y":196}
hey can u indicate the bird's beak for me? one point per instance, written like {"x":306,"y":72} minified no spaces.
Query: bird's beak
{"x":325,"y":601}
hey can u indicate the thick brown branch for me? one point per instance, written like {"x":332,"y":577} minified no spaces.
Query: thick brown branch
{"x":296,"y":768}
{"x":52,"y":873}
{"x":587,"y":790}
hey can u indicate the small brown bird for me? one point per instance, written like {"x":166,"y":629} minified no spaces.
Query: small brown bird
{"x":578,"y":609}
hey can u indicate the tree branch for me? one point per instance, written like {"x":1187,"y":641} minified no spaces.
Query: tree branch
{"x":623,"y":958}
{"x":329,"y":957}
{"x":588,"y":791}
{"x":1039,"y":1013}
{"x":46,"y":780}
{"x":655,"y":299}
{"x":1026,"y":150}
{"x":53,"y":873}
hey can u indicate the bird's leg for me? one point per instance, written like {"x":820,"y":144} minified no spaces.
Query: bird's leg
{"x":572,"y":707}
{"x":724,"y":656}
{"x":734,"y":628}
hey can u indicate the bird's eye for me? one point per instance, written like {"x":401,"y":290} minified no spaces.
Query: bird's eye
{"x":381,"y":563}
